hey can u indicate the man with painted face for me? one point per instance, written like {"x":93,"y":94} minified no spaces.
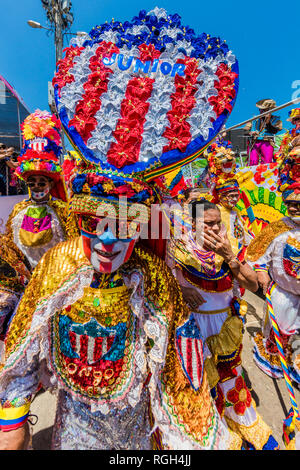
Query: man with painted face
{"x":226,"y":193}
{"x":100,"y":321}
{"x":41,"y":221}
{"x":275,"y":255}
{"x":209,"y":274}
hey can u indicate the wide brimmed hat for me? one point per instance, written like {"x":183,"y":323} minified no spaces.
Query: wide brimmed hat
{"x":266,"y":104}
{"x":41,"y":151}
{"x":294,"y":113}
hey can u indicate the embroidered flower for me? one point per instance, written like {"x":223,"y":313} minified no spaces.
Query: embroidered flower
{"x":239,"y":396}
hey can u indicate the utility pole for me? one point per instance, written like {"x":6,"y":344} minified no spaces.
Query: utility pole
{"x":59,"y":18}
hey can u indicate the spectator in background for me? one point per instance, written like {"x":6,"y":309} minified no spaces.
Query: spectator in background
{"x":262,"y":147}
{"x":9,"y":155}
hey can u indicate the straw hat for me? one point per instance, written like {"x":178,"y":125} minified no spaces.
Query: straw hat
{"x":266,"y":104}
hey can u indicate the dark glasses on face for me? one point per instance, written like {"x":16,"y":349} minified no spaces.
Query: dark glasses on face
{"x":95,"y":225}
{"x":33,"y":185}
{"x":293,"y":205}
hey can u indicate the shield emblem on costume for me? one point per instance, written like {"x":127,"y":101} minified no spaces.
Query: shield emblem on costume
{"x":189,"y":345}
{"x":91,"y":342}
{"x":146,"y":95}
{"x":38,"y":144}
{"x":291,"y":257}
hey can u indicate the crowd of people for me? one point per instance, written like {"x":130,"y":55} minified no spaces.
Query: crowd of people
{"x":141,"y":337}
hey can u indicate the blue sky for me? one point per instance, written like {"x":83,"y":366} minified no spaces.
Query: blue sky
{"x":263,"y":35}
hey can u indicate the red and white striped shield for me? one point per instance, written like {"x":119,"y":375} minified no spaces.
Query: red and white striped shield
{"x":91,"y":349}
{"x":38,"y":144}
{"x":190,"y":351}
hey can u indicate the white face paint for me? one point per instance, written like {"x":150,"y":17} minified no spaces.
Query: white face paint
{"x":40,"y":187}
{"x":40,"y":195}
{"x":107,"y":253}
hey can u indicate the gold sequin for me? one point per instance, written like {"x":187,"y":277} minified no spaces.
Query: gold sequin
{"x":259,"y":245}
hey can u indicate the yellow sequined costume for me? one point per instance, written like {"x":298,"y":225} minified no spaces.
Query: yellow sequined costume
{"x":14,"y":276}
{"x":60,"y":314}
{"x":34,"y":243}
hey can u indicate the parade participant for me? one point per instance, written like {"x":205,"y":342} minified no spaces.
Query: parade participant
{"x":291,"y":137}
{"x":206,"y":268}
{"x":102,"y":318}
{"x":14,"y":276}
{"x":265,"y":128}
{"x":275,"y":254}
{"x":104,"y":299}
{"x":224,"y":187}
{"x":41,"y":221}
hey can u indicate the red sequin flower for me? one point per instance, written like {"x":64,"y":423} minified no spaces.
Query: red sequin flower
{"x":239,"y":396}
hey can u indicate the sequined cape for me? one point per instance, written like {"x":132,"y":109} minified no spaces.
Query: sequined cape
{"x":259,"y":245}
{"x":186,"y":418}
{"x":66,"y":218}
{"x":12,"y":258}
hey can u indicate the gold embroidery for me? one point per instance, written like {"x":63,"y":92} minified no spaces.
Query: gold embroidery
{"x":293,"y":242}
{"x":259,"y":245}
{"x":257,"y":433}
{"x":215,"y":312}
{"x":112,"y":306}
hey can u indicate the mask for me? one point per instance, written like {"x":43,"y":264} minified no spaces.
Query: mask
{"x":105,"y":252}
{"x":40,"y":195}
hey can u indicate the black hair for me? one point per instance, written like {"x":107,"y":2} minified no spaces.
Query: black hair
{"x":202,"y":203}
{"x":186,"y":193}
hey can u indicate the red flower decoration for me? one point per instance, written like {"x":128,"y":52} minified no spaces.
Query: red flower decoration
{"x":68,"y":167}
{"x":63,"y":76}
{"x":258,"y":178}
{"x":179,"y":137}
{"x":93,"y":179}
{"x":148,"y":52}
{"x":226,"y":91}
{"x":183,"y":101}
{"x":120,"y":155}
{"x":124,"y":190}
{"x":84,"y":120}
{"x":239,"y":396}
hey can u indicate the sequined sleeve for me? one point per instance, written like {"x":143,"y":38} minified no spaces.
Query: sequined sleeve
{"x":17,"y":208}
{"x":66,"y":217}
{"x":16,"y":395}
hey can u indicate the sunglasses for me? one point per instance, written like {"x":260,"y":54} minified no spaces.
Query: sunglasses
{"x":295,"y":205}
{"x":32,"y":184}
{"x":96,"y":225}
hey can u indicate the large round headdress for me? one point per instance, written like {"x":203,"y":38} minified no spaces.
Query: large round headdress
{"x":140,"y":98}
{"x":41,"y":150}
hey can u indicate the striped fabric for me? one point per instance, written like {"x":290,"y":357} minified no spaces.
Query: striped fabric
{"x":13,"y":418}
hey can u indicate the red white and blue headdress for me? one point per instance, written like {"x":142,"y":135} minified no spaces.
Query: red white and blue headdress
{"x":141,"y":98}
{"x":41,"y":150}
